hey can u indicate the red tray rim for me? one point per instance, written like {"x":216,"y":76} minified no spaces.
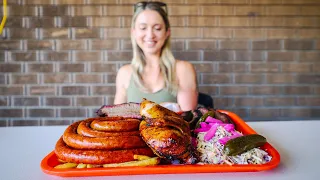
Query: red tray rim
{"x":167,"y":169}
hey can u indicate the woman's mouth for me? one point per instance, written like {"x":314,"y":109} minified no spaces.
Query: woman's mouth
{"x":150,"y":43}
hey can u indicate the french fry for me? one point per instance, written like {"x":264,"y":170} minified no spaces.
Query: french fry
{"x":66,"y":165}
{"x":62,"y":161}
{"x":140,"y":157}
{"x":81,"y":165}
{"x":146,"y":162}
{"x":93,"y":165}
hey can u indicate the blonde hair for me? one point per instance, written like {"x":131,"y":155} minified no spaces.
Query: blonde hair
{"x":167,"y":60}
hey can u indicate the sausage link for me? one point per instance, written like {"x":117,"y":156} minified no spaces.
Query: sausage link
{"x":85,"y":130}
{"x":69,"y":154}
{"x":116,"y":125}
{"x":72,"y":139}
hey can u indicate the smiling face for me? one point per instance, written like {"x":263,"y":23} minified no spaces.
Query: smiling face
{"x":150,"y":32}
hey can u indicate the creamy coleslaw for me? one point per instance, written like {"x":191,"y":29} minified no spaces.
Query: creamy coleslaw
{"x":211,"y":150}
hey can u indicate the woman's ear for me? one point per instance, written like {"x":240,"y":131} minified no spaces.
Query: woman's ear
{"x":168,"y":33}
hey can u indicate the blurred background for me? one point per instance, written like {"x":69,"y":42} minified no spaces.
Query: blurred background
{"x":257,"y":58}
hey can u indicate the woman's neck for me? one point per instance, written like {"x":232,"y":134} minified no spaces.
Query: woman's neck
{"x":151,"y":76}
{"x":152,"y":61}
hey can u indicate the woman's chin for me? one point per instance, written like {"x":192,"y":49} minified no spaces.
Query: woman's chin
{"x":151,"y":51}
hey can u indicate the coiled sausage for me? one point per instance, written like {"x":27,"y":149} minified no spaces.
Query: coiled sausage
{"x":72,"y":139}
{"x":69,"y":154}
{"x":115,"y":125}
{"x":84,"y":129}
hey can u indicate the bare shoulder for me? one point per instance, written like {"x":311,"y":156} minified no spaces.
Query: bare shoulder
{"x":124,"y":75}
{"x":125,"y":69}
{"x":183,"y":67}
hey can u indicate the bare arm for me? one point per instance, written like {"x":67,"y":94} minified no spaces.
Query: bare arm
{"x":187,"y":96}
{"x":122,"y":80}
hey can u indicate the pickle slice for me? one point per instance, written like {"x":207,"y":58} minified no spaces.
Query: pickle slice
{"x":244,"y":143}
{"x":204,"y":117}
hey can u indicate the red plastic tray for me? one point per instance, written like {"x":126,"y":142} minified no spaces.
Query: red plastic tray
{"x":48,"y":163}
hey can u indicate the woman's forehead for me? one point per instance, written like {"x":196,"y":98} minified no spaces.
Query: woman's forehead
{"x":149,"y":17}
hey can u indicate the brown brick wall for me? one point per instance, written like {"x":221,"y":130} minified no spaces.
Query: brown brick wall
{"x":257,"y":58}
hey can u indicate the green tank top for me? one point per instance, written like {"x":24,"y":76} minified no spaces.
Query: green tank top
{"x":135,"y":95}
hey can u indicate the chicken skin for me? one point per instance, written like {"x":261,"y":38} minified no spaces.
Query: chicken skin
{"x":166,"y":133}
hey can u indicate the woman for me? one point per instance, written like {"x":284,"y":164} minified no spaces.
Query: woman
{"x":154,"y":73}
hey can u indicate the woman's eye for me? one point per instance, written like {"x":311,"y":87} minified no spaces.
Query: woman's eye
{"x":157,"y":28}
{"x":142,"y":27}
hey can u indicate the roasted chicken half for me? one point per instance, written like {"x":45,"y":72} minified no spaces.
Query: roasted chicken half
{"x":166,"y":133}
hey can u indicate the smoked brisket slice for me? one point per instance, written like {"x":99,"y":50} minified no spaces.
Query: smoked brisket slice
{"x":130,"y":110}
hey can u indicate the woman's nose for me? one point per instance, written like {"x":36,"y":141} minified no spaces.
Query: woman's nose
{"x":150,"y":33}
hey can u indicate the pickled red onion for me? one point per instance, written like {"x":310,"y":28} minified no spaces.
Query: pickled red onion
{"x":213,"y":120}
{"x":211,"y":132}
{"x":204,"y":125}
{"x":226,"y":139}
{"x":228,"y":127}
{"x":201,"y":130}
